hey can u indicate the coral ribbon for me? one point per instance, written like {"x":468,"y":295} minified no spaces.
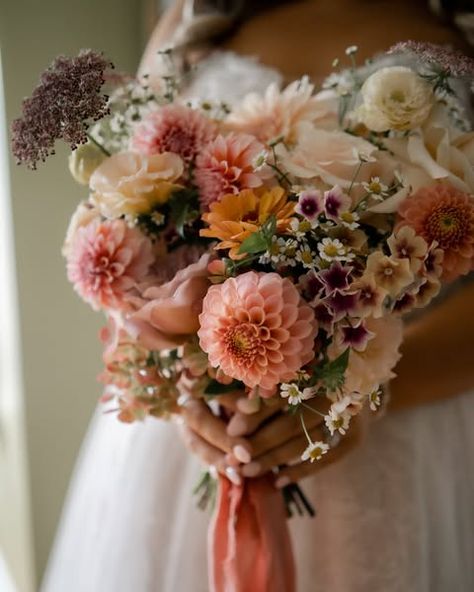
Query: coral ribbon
{"x":249,"y":542}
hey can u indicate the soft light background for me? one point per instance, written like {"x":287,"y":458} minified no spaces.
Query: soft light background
{"x":59,"y":350}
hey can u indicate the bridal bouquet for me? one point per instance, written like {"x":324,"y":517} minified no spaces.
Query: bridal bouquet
{"x":270,"y":246}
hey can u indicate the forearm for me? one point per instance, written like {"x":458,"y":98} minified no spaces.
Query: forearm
{"x":438,"y":354}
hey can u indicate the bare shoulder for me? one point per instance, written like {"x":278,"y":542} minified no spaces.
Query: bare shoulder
{"x":305,"y":36}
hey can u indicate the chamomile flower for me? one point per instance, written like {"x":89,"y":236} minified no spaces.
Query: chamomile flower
{"x":315,"y":451}
{"x":337,"y":420}
{"x":300,"y":228}
{"x":349,"y":219}
{"x":291,"y":392}
{"x":375,"y":400}
{"x":376,"y":188}
{"x":306,"y":256}
{"x":331,"y":249}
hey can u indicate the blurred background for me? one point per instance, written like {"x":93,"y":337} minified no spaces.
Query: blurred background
{"x":49,"y":353}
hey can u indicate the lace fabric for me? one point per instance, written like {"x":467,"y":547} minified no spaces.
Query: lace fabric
{"x":395,"y":516}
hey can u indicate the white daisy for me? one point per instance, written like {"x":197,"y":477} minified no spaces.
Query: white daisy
{"x":315,"y":451}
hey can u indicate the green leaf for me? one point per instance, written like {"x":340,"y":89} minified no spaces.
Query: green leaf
{"x":255,"y":243}
{"x":216,"y":388}
{"x":183,"y":208}
{"x":333,"y":373}
{"x":260,"y":241}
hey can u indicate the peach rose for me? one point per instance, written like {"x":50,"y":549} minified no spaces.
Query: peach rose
{"x":330,"y":155}
{"x":169,"y":313}
{"x":129,"y":183}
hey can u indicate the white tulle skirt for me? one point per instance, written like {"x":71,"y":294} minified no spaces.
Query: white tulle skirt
{"x":395,"y":516}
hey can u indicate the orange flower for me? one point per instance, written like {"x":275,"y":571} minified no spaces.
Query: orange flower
{"x":235,"y":217}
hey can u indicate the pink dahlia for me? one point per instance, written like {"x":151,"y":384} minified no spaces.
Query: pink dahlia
{"x":173,"y":128}
{"x":227,"y":165}
{"x":257,"y":329}
{"x":443,"y":215}
{"x":106,"y":260}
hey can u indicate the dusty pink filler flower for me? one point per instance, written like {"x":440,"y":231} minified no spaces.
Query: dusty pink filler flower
{"x":227,"y":165}
{"x":257,"y":329}
{"x":173,"y":128}
{"x":106,"y":260}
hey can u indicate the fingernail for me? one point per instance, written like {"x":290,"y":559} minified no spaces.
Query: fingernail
{"x":242,"y":454}
{"x":248,"y":406}
{"x":237,"y":426}
{"x":233,"y":476}
{"x":282,"y":482}
{"x":252,"y":469}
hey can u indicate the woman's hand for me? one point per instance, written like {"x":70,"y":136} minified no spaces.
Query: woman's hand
{"x":205,"y":434}
{"x":278,"y":439}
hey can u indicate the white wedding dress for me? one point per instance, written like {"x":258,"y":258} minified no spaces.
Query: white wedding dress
{"x":397,"y":515}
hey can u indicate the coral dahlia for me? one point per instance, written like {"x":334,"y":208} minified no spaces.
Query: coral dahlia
{"x":445,"y":215}
{"x":257,"y":329}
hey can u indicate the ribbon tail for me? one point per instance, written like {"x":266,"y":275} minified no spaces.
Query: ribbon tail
{"x":249,"y":542}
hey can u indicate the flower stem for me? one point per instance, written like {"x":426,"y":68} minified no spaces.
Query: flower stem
{"x":98,"y":144}
{"x":312,"y":409}
{"x":305,"y":429}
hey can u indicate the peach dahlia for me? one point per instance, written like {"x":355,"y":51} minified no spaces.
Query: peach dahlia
{"x":257,"y":329}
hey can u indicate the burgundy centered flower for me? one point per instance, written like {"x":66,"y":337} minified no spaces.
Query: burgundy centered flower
{"x":336,"y":277}
{"x":66,"y":101}
{"x":341,"y":303}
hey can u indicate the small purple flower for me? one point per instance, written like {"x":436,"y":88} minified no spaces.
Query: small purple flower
{"x":452,"y":61}
{"x":66,"y":101}
{"x":356,"y":336}
{"x":336,"y":277}
{"x":310,"y":205}
{"x":341,"y":303}
{"x":335,"y":202}
{"x":311,"y":285}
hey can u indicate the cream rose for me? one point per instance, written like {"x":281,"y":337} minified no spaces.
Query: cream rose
{"x":84,"y":160}
{"x":395,"y":98}
{"x":129,"y":183}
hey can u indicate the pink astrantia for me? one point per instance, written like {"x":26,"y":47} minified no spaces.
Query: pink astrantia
{"x":257,"y":329}
{"x":227,"y":165}
{"x":173,"y":128}
{"x":106,"y":260}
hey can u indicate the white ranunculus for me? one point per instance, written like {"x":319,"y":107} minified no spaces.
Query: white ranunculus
{"x":84,"y":160}
{"x":395,"y":98}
